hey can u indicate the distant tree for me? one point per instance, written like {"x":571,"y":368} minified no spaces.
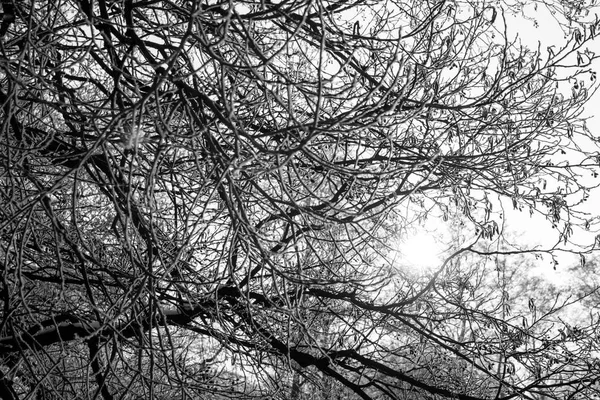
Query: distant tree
{"x":199,"y":198}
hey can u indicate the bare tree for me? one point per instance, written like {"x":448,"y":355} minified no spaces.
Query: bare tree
{"x":199,"y":197}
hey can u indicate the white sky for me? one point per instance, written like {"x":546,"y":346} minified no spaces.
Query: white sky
{"x":535,"y":230}
{"x":547,"y":34}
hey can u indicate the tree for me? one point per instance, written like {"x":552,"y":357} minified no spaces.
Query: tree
{"x":200,"y":198}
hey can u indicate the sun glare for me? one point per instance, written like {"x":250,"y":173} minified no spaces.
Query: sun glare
{"x":420,"y":251}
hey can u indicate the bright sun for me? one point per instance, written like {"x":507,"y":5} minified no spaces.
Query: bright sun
{"x":420,"y":250}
